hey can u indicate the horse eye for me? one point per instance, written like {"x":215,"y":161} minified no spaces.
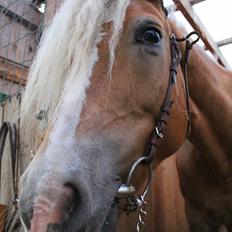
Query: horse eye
{"x":152,"y":36}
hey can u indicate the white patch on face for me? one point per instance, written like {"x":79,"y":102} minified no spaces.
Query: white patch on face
{"x":70,"y":107}
{"x":58,"y":81}
{"x":69,"y":110}
{"x":64,"y":65}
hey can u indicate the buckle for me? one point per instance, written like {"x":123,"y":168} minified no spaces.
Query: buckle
{"x":158,"y":133}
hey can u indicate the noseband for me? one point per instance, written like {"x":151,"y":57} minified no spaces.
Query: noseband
{"x":127,"y":192}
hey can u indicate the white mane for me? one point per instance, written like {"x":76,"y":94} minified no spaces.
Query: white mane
{"x":66,"y":49}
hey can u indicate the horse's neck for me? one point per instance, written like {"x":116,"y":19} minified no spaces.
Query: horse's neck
{"x":211,"y":107}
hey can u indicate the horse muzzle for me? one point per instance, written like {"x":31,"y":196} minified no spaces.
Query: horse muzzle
{"x":54,"y":204}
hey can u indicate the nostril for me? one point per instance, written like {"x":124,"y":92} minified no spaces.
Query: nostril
{"x":72,"y":200}
{"x":53,"y":206}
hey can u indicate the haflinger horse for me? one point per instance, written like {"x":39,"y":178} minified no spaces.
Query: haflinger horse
{"x":107,"y":75}
{"x":205,"y":164}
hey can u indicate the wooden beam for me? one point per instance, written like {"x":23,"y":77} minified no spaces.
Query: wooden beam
{"x":193,"y":2}
{"x":13,"y":72}
{"x":24,"y":9}
{"x":185,"y":7}
{"x":224,"y":42}
{"x":12,"y":15}
{"x":172,"y":7}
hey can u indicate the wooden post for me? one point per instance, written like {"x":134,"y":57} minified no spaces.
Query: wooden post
{"x":185,"y":7}
{"x":2,"y":217}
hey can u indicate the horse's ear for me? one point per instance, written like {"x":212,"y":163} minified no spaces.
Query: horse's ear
{"x":160,"y":3}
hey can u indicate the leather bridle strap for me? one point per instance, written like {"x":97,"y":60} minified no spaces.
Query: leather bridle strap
{"x":6,"y":128}
{"x":188,"y":48}
{"x":167,"y":104}
{"x":128,"y":191}
{"x":162,"y":121}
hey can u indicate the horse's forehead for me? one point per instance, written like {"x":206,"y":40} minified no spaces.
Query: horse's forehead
{"x":144,"y":8}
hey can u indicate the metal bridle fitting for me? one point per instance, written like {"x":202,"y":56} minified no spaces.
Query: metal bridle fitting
{"x":128,"y":191}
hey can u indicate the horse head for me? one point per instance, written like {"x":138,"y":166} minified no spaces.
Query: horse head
{"x":102,"y":74}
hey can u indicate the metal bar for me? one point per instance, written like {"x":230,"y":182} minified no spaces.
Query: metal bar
{"x":18,"y":18}
{"x":185,"y":7}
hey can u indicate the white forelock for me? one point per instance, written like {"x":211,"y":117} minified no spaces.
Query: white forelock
{"x":67,"y":54}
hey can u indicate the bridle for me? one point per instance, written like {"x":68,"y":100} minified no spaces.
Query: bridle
{"x":127,"y":192}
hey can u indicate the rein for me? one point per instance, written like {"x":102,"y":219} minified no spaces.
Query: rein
{"x":127,"y":192}
{"x":188,"y":47}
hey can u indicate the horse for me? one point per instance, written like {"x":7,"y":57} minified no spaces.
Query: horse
{"x":204,"y":163}
{"x":102,"y":77}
